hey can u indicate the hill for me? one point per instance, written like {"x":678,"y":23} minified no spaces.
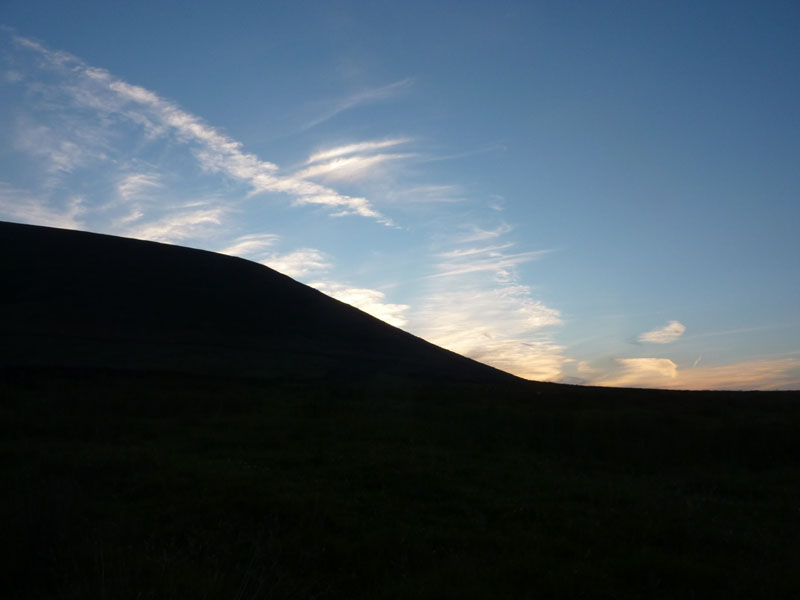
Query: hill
{"x":87,"y":300}
{"x":179,"y":424}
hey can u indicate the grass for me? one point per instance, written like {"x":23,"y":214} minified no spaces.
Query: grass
{"x":162,"y":486}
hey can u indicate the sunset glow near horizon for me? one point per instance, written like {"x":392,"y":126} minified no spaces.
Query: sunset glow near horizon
{"x":604,"y":193}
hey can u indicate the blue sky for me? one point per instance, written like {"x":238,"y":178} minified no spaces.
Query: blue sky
{"x":598,"y":192}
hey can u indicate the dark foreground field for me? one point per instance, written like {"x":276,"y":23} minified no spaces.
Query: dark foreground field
{"x":145,"y":485}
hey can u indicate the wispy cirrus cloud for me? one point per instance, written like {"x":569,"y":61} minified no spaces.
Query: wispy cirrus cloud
{"x":249,"y":245}
{"x":492,"y":259}
{"x":489,"y":259}
{"x":465,"y":154}
{"x":351,"y":162}
{"x":134,"y":185}
{"x":369,"y":300}
{"x":664,"y":335}
{"x":348,"y":168}
{"x":96,"y":88}
{"x":64,"y":148}
{"x":497,"y":202}
{"x":298,"y":263}
{"x":470,"y":252}
{"x":24,"y":207}
{"x":360,"y":98}
{"x":474,"y":233}
{"x":135,"y":192}
{"x":356,"y":148}
{"x":179,"y":225}
{"x":63,"y":155}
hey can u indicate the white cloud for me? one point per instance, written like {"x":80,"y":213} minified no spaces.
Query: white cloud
{"x":669,"y":333}
{"x":64,"y":151}
{"x":497,"y":202}
{"x":297,"y":263}
{"x":179,"y":226}
{"x":349,"y":168}
{"x":250,"y":245}
{"x":134,"y":185}
{"x":493,"y":262}
{"x":488,"y":250}
{"x":23,"y":207}
{"x":476,"y":259}
{"x":369,"y":300}
{"x":477,"y":234}
{"x":350,"y":162}
{"x":357,"y":148}
{"x":134,"y":191}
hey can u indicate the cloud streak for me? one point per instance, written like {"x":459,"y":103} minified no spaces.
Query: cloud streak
{"x":357,"y":148}
{"x":297,"y":263}
{"x":361,"y":98}
{"x":180,"y":225}
{"x":665,"y":335}
{"x":135,"y":185}
{"x":476,"y":261}
{"x":347,"y":168}
{"x":251,"y":244}
{"x":351,"y":162}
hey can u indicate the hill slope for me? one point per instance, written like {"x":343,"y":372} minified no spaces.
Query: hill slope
{"x":81,"y":299}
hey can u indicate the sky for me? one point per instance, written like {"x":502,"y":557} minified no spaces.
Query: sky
{"x":594,"y":192}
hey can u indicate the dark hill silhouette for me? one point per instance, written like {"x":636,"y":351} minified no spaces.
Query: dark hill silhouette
{"x":77,"y":299}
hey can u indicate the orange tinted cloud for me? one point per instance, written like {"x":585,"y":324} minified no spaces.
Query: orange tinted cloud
{"x":783,"y":373}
